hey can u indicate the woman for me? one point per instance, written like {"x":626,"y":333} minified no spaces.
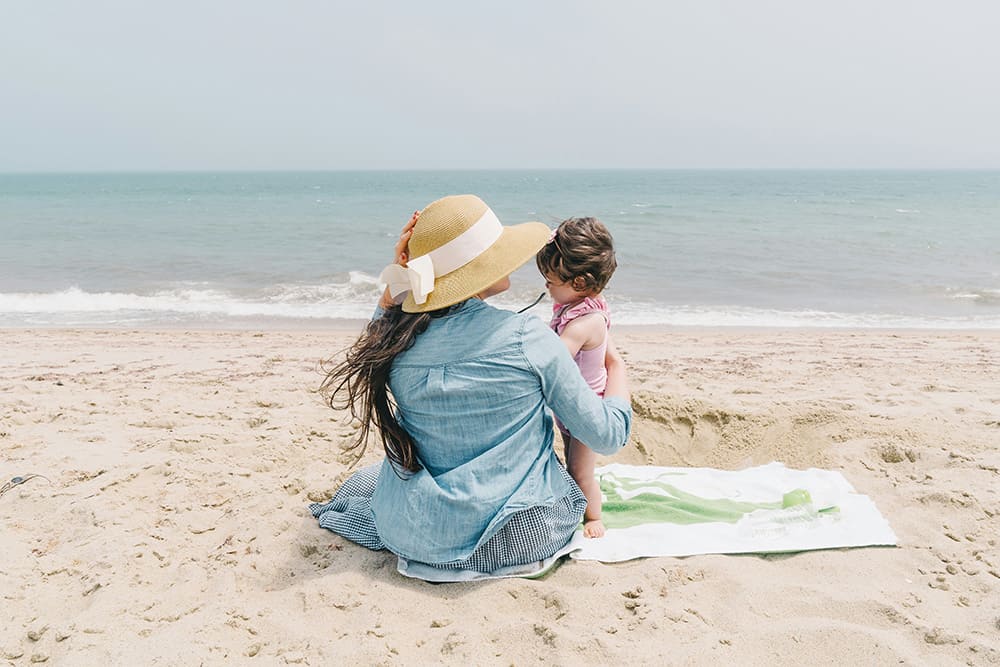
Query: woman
{"x":457,"y":392}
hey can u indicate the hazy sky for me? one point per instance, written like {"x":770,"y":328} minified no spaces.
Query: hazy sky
{"x":335,"y":85}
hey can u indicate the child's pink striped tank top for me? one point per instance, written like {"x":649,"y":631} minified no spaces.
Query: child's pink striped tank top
{"x":591,"y":362}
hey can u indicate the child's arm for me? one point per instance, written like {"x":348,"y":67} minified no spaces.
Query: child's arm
{"x":584,"y":333}
{"x":617,"y":375}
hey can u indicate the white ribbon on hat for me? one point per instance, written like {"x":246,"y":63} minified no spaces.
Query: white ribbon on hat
{"x":419,"y":273}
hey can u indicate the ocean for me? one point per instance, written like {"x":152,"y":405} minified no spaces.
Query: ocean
{"x":893,"y":249}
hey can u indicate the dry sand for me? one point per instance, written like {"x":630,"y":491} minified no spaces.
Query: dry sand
{"x":175,"y":532}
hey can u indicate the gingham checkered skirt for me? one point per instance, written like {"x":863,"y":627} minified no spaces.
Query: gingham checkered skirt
{"x":529,"y":535}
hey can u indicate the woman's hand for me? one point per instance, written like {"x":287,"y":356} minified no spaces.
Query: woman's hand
{"x":400,"y":255}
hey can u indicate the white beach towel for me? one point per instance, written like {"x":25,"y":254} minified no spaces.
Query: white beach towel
{"x":657,"y":511}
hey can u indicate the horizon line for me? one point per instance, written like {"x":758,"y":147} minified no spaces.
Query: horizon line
{"x":119,"y":172}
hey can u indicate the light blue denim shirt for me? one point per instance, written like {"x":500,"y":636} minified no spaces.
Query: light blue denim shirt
{"x":472,"y":392}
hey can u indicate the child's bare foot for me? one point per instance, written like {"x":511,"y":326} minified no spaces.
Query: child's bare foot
{"x":593,"y":528}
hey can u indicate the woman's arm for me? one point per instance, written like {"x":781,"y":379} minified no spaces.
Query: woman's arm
{"x":603,"y":424}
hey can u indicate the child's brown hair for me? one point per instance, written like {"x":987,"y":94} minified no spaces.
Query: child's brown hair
{"x":581,"y":253}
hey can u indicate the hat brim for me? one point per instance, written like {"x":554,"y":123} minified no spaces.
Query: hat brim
{"x":516,"y":245}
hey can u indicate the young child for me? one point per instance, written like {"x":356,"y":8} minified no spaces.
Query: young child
{"x":577,"y":263}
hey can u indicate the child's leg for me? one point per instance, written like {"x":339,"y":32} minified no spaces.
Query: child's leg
{"x":566,"y":439}
{"x":580,"y":461}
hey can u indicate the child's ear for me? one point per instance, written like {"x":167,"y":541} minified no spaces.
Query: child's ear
{"x":579,"y":283}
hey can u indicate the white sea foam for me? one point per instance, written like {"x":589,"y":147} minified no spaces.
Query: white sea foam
{"x":74,"y":305}
{"x":737,"y":316}
{"x":355,"y":299}
{"x":632,"y":313}
{"x":982,"y":296}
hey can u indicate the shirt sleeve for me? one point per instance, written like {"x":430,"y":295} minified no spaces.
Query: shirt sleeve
{"x":601,"y":424}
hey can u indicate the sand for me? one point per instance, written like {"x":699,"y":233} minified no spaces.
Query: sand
{"x":173,"y":529}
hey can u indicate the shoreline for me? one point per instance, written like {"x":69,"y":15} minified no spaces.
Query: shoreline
{"x":356,"y":325}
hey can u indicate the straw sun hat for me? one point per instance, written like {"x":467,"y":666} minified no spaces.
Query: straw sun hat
{"x":459,"y":248}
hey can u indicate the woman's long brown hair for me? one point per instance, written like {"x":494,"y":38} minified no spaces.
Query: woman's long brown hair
{"x":360,"y":383}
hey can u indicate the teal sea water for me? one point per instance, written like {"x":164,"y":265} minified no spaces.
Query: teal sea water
{"x":709,"y":248}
